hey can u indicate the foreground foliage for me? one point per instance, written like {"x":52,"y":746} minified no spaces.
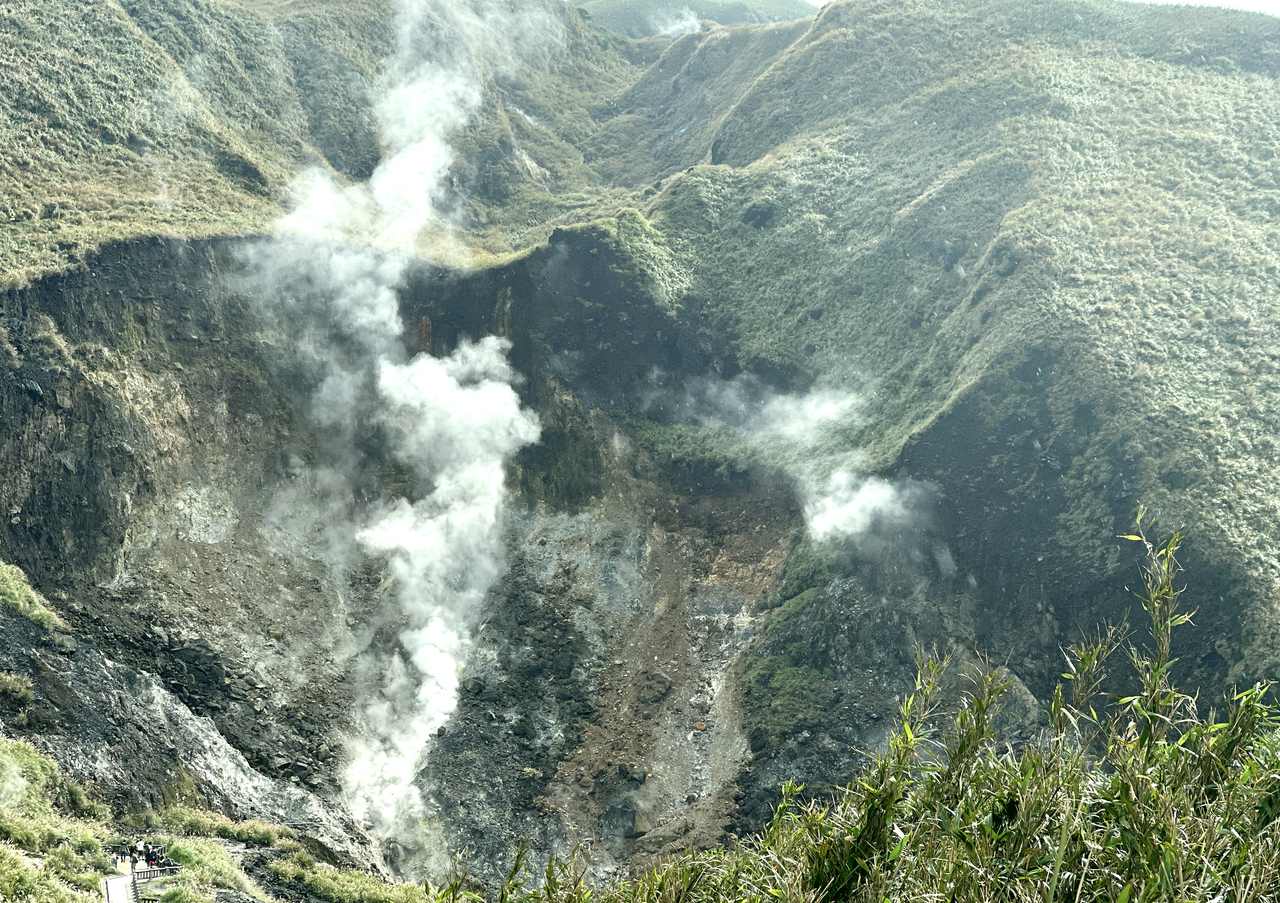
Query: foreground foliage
{"x":55,"y":841}
{"x":52,"y":839}
{"x":1137,"y":798}
{"x":1130,"y":798}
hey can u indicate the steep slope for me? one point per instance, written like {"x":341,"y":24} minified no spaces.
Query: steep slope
{"x":142,"y":414}
{"x":995,"y":238}
{"x":641,"y":18}
{"x":138,"y":118}
{"x":190,"y":119}
{"x":1034,"y":247}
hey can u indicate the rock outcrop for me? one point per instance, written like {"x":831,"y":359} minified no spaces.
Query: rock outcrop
{"x":1037,"y":247}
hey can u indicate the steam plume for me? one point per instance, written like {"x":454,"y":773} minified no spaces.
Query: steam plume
{"x":672,"y":23}
{"x":458,"y":421}
{"x":803,"y":436}
{"x":336,"y":265}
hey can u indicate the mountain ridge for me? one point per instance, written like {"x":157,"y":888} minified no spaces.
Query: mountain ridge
{"x":1034,"y":248}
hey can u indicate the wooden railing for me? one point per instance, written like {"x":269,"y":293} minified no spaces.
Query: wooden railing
{"x":148,"y":875}
{"x":158,"y":872}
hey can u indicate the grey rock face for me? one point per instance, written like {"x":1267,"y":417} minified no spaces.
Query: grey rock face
{"x":121,"y":731}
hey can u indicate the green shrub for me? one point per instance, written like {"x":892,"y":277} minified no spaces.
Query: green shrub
{"x":47,"y":818}
{"x":207,"y":865}
{"x":343,"y":885}
{"x":22,"y":882}
{"x":1135,"y":798}
{"x":201,"y":823}
{"x":184,"y":895}
{"x":16,"y":593}
{"x":15,"y":690}
{"x":80,"y":868}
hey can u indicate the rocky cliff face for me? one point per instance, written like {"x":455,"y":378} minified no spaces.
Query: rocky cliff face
{"x":147,"y":432}
{"x":157,"y":447}
{"x":1028,"y":246}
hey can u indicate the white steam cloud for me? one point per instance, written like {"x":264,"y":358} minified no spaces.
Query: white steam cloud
{"x":456,"y":420}
{"x":674,"y":24}
{"x":801,"y":435}
{"x":850,"y":506}
{"x":335,"y":268}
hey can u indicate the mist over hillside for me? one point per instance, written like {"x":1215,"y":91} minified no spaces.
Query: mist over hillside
{"x":665,"y":18}
{"x":461,"y":433}
{"x":1256,"y":6}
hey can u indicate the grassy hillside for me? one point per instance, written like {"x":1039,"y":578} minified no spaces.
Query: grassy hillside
{"x":638,"y":18}
{"x":189,"y":118}
{"x":56,"y":842}
{"x":1040,"y":240}
{"x":52,"y":837}
{"x":139,"y":117}
{"x":1065,"y":235}
{"x":1041,"y":243}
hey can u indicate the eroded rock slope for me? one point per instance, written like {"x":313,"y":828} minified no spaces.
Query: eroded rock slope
{"x":1037,"y":246}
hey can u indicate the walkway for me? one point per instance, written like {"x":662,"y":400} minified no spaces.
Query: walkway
{"x":119,"y":889}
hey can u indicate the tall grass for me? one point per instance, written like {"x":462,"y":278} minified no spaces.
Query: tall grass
{"x":1133,"y":798}
{"x":16,"y":593}
{"x":1139,"y":797}
{"x":52,"y":840}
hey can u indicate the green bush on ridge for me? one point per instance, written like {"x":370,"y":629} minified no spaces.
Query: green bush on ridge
{"x":16,"y":593}
{"x":185,"y":820}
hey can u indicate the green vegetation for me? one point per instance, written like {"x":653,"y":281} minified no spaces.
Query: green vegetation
{"x":1009,"y":217}
{"x":989,"y":239}
{"x":107,"y":138}
{"x":1137,"y":797}
{"x":9,"y":358}
{"x":22,"y":882}
{"x":201,"y":823}
{"x":641,"y":257}
{"x":349,"y":886}
{"x":699,"y":457}
{"x":16,"y":593}
{"x":790,"y":690}
{"x":190,"y":118}
{"x":921,"y":194}
{"x":206,"y":866}
{"x":638,"y":18}
{"x":183,"y":895}
{"x":191,"y":837}
{"x":15,"y":690}
{"x":54,"y":839}
{"x":53,"y":836}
